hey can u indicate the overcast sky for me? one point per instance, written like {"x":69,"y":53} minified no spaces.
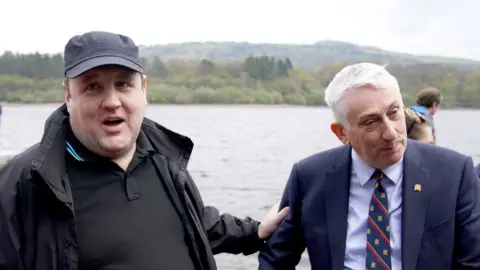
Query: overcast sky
{"x":434,"y":27}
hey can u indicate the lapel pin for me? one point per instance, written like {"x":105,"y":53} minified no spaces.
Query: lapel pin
{"x":417,"y":188}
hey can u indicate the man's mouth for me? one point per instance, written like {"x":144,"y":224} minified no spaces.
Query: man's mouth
{"x":391,"y":147}
{"x":113,"y":121}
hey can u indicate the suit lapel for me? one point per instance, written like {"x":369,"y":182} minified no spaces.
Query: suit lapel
{"x":415,"y":198}
{"x":336,"y":204}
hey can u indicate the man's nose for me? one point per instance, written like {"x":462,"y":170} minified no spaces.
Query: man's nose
{"x":389,"y":132}
{"x":112,"y":98}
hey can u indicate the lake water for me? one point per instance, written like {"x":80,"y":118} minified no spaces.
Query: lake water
{"x":243,"y":155}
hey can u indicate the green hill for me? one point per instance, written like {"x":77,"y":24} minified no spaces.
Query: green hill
{"x":304,"y":56}
{"x":243,"y":73}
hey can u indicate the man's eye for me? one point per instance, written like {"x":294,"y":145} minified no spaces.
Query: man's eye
{"x":92,"y":86}
{"x":122,"y":84}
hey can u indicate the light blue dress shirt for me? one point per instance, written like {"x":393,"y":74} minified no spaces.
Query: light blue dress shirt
{"x":361,"y":190}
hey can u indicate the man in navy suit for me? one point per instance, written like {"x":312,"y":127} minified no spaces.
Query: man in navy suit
{"x":380,"y":201}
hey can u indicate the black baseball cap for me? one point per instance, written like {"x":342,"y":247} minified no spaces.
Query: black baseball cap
{"x":97,"y":48}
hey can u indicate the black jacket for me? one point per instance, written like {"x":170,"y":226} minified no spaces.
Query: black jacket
{"x":37,"y":221}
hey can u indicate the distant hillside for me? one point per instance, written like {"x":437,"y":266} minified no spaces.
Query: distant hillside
{"x":304,"y":56}
{"x":35,"y":78}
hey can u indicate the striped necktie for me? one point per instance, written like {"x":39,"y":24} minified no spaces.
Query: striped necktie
{"x":378,"y":232}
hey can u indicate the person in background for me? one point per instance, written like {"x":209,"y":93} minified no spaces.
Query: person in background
{"x":428,"y":104}
{"x":381,"y":201}
{"x":417,"y":127}
{"x":108,"y":188}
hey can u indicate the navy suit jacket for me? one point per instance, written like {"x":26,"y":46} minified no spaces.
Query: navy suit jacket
{"x":440,"y":224}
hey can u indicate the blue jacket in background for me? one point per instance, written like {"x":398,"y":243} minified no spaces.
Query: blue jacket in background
{"x":423,"y":112}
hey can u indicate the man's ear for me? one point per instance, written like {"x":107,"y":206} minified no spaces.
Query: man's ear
{"x":144,"y":86}
{"x":66,"y":93}
{"x":339,"y":131}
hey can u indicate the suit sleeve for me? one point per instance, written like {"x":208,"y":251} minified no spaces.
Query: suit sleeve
{"x":227,"y":233}
{"x":284,"y":248}
{"x":467,"y":232}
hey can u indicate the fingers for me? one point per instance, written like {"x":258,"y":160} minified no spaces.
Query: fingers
{"x":284,"y":212}
{"x":282,"y":215}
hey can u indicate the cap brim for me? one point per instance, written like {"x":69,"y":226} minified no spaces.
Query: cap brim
{"x":101,"y":61}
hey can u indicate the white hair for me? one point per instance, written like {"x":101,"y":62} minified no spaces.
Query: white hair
{"x":351,"y":78}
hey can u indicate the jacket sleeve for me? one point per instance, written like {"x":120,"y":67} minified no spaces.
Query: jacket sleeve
{"x":467,"y":236}
{"x":226,"y":233}
{"x":10,"y":255}
{"x":285,"y":247}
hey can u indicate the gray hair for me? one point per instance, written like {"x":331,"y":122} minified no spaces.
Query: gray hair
{"x":351,"y":78}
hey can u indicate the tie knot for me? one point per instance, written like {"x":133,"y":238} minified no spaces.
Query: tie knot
{"x":377,"y":175}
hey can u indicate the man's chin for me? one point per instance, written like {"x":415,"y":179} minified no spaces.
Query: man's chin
{"x":393,"y":156}
{"x":112,"y":147}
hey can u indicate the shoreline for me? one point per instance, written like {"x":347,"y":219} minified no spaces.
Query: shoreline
{"x":16,"y":105}
{"x":8,"y":104}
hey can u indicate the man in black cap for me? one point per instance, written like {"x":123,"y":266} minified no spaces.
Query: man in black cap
{"x":106,"y":187}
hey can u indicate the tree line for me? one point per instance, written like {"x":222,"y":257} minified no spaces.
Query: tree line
{"x":36,"y":78}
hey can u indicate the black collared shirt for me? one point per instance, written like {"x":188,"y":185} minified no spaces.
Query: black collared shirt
{"x":124,"y":219}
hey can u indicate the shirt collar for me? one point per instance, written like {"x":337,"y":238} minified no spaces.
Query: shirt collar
{"x":143,"y":144}
{"x":365,"y":171}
